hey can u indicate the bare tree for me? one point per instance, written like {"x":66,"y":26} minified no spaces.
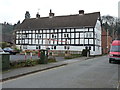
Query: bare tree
{"x":110,"y":23}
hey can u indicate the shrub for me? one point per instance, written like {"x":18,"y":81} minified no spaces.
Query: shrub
{"x":27,"y":51}
{"x":28,"y":62}
{"x":23,"y":63}
{"x":51,"y":59}
{"x":36,"y":52}
{"x":68,"y":57}
{"x":33,"y":62}
{"x":18,"y":50}
{"x":71,"y":56}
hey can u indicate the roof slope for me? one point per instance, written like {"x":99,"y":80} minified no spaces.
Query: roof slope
{"x":86,"y":20}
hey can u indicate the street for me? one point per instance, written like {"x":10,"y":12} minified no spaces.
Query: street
{"x":92,"y":73}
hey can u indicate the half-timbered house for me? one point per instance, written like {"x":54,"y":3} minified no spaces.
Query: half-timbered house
{"x":73,"y":32}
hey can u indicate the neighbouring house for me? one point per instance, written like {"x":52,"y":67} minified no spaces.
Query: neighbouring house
{"x":106,"y":41}
{"x":69,"y":32}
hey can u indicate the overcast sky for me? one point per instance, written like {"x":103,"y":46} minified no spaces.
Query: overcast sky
{"x":14,"y":10}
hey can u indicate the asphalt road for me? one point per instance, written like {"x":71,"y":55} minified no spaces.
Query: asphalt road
{"x":92,"y":73}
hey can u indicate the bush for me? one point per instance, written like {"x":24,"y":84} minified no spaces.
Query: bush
{"x":36,"y":52}
{"x":28,"y":62}
{"x":27,"y":51}
{"x":25,"y":63}
{"x":18,"y":50}
{"x":68,"y":57}
{"x":72,"y":56}
{"x":51,"y":59}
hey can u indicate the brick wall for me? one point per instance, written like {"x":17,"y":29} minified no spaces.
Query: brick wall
{"x":106,"y":42}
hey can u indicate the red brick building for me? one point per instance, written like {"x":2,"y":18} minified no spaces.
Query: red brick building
{"x":106,"y":41}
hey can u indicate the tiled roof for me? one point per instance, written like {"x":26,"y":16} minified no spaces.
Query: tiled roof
{"x":85,"y":20}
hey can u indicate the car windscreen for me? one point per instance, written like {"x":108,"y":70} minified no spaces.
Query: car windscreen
{"x":8,"y":49}
{"x":115,"y":49}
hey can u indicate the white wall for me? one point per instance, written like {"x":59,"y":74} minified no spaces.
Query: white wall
{"x":96,"y":52}
{"x":98,"y":36}
{"x":77,"y":48}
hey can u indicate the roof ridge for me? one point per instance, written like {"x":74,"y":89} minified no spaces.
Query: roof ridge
{"x":74,"y":20}
{"x":67,"y":15}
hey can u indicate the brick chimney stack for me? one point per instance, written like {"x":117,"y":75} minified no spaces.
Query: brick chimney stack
{"x":81,"y":12}
{"x":51,"y":14}
{"x":37,"y":15}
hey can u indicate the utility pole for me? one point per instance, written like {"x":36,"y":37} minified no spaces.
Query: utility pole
{"x":107,"y":40}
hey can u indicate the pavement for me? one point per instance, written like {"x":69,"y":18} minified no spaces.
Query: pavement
{"x":15,"y":73}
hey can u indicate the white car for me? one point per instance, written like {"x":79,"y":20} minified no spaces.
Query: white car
{"x":1,"y":51}
{"x":10,"y":50}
